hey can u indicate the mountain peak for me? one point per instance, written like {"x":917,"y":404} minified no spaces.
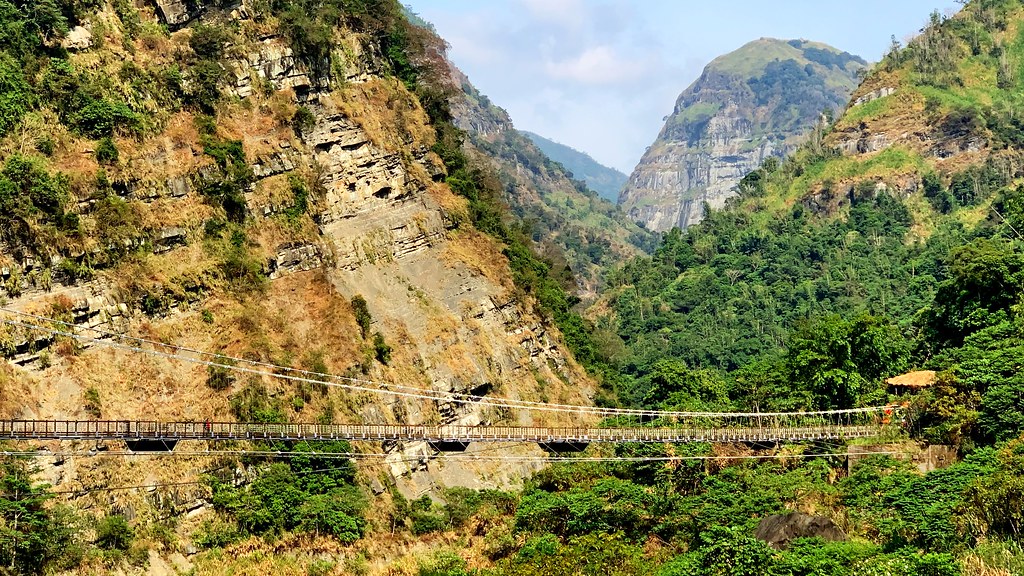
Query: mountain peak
{"x":754,"y":102}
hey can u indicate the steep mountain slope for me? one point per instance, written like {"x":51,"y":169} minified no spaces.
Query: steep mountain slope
{"x":751,"y":104}
{"x":254,"y":181}
{"x":601,"y":179}
{"x":578,"y":231}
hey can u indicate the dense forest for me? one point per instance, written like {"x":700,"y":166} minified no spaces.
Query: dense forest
{"x":761,"y":306}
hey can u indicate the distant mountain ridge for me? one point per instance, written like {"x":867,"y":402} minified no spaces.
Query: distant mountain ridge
{"x":606,"y":181}
{"x":572,"y":226}
{"x":753,"y":103}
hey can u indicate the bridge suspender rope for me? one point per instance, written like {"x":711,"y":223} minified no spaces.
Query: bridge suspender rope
{"x":154,"y":431}
{"x":391,"y":389}
{"x":676,"y":427}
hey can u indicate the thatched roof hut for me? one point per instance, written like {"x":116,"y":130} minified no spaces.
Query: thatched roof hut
{"x":912,"y":381}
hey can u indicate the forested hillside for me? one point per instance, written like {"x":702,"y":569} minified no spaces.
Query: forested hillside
{"x":600,"y":178}
{"x":910,"y":247}
{"x":581,"y":234}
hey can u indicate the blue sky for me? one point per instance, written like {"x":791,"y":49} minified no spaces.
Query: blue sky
{"x":600,"y":75}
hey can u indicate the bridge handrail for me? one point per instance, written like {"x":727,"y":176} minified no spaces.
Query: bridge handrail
{"x":186,"y":430}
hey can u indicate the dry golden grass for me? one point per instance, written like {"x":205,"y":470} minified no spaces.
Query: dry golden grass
{"x":975,"y":566}
{"x":261,"y":126}
{"x":481,"y":254}
{"x":454,"y":205}
{"x":14,"y":391}
{"x":276,"y":232}
{"x":388,"y":113}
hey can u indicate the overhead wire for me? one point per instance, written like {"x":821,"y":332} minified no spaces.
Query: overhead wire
{"x":468,"y":457}
{"x":231,"y":363}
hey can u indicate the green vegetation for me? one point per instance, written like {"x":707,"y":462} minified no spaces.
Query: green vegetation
{"x":693,"y":519}
{"x":220,"y":377}
{"x":34,"y":203}
{"x":362,"y":314}
{"x":754,"y":57}
{"x":311,"y":493}
{"x":91,"y":403}
{"x":34,"y":537}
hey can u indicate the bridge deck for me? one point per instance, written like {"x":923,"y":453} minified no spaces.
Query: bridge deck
{"x":161,"y":431}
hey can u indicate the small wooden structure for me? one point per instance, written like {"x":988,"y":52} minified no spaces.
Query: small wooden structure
{"x":911,"y":381}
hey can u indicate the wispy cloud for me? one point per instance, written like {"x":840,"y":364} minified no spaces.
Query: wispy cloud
{"x":600,"y":65}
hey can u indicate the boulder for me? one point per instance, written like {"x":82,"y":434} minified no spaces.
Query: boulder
{"x":79,"y":38}
{"x":781,"y":529}
{"x":177,"y":13}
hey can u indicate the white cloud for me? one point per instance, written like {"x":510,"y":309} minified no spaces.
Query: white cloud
{"x":599,"y":65}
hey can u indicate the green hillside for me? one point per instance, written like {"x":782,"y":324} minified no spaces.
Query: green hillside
{"x":607,"y":182}
{"x":754,"y":57}
{"x":859,"y":233}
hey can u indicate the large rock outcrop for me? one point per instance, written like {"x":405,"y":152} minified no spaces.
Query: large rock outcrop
{"x":747,"y":105}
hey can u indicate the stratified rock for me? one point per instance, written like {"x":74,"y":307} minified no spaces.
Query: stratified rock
{"x":168,"y":238}
{"x":275,"y":63}
{"x":748,"y":105}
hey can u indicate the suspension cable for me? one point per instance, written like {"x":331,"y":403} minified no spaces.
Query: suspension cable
{"x":230,"y":363}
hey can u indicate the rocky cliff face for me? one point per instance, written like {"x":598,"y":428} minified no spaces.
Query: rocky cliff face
{"x":348,"y":203}
{"x":748,"y":105}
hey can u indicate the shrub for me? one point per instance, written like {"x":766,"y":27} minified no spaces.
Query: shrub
{"x":106,"y":151}
{"x":129,"y":16}
{"x":114,"y":533}
{"x":381,"y":350}
{"x":91,"y":403}
{"x":321,"y":568}
{"x":218,"y":377}
{"x":362,"y":313}
{"x":204,"y":85}
{"x":300,"y":193}
{"x":443,"y":563}
{"x":208,"y":42}
{"x":45,"y":145}
{"x":253,"y":404}
{"x":215,"y":534}
{"x":303,"y":120}
{"x":242,"y":270}
{"x":102,"y":118}
{"x":330,"y":514}
{"x":27,"y":190}
{"x":427,"y":522}
{"x":227,"y":188}
{"x":15,"y":94}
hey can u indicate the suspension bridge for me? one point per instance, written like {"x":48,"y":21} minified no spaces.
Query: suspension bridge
{"x":714,"y":428}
